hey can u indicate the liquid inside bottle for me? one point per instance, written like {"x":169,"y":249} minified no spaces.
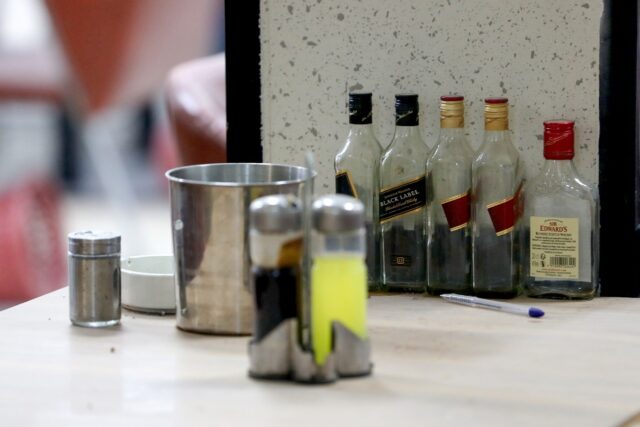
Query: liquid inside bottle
{"x":337,"y":295}
{"x":276,"y":300}
{"x":339,"y":272}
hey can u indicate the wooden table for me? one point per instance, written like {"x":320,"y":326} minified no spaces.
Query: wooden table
{"x":435,"y":364}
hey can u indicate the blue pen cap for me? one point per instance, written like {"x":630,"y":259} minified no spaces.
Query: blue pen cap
{"x":535,"y":312}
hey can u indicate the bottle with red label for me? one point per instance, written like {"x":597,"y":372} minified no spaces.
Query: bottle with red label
{"x":561,"y":223}
{"x":497,"y":179}
{"x":403,"y":201}
{"x":449,"y":210}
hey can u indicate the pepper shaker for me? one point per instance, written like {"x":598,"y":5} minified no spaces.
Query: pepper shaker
{"x":276,"y":248}
{"x":94,"y":278}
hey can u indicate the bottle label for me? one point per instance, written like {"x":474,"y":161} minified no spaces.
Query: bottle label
{"x":402,"y":199}
{"x":407,"y":117}
{"x":344,"y":184}
{"x":554,"y":248}
{"x":457,"y":209}
{"x":505,"y":213}
{"x":400,"y":261}
{"x":360,"y":116}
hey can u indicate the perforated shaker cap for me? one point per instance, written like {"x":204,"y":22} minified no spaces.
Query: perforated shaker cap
{"x":276,"y":214}
{"x":93,"y":242}
{"x":336,"y":213}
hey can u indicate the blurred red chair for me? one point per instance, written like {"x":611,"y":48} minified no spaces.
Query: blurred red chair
{"x":196,"y":101}
{"x":119,"y":52}
{"x":32,"y":258}
{"x":32,"y":75}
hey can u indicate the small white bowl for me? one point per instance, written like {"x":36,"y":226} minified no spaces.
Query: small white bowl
{"x":147,"y":284}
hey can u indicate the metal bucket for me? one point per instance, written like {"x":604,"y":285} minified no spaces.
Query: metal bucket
{"x":210,"y":221}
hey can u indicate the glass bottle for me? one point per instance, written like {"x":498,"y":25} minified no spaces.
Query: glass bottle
{"x":561,"y":222}
{"x":449,"y":210}
{"x":339,"y":272}
{"x":275,"y":250}
{"x":357,"y":169}
{"x":403,"y":201}
{"x":276,"y":247}
{"x":497,"y":178}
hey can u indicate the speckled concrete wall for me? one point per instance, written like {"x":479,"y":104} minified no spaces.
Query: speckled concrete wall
{"x":542,"y":54}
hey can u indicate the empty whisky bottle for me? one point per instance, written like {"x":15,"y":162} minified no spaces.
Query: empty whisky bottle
{"x":497,"y":178}
{"x":449,"y":184}
{"x":561,"y":223}
{"x":357,"y":173}
{"x":403,"y":201}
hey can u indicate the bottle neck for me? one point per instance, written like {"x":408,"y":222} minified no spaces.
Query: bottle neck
{"x":450,"y":134}
{"x":497,"y":136}
{"x":360,"y":131}
{"x":407,"y":132}
{"x":559,"y":169}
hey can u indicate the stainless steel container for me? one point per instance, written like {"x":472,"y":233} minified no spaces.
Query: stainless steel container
{"x":210,"y":221}
{"x":94,"y":278}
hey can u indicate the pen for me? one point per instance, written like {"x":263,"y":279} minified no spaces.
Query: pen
{"x":494,"y":305}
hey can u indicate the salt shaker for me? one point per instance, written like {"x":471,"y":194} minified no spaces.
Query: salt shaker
{"x":339,"y":289}
{"x":94,"y":278}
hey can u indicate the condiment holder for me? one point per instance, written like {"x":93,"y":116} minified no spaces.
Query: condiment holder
{"x":336,"y":344}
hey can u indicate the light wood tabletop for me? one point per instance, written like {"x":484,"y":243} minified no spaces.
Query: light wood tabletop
{"x":436,"y":363}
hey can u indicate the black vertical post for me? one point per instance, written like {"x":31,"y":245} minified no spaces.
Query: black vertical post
{"x":242,"y":37}
{"x":620,"y":261}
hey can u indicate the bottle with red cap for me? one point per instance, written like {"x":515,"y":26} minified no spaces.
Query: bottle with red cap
{"x":561,"y":222}
{"x":497,"y":178}
{"x":448,"y":214}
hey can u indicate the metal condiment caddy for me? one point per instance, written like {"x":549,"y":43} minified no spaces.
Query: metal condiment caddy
{"x":334,"y":343}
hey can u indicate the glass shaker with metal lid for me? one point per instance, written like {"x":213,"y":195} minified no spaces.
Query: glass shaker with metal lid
{"x":276,"y":247}
{"x":338,"y":275}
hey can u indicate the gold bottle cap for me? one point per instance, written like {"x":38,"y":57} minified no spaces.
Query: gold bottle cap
{"x":452,"y":112}
{"x":496,"y":114}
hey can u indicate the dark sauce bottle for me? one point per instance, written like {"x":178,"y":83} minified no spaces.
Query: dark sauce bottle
{"x":276,"y":246}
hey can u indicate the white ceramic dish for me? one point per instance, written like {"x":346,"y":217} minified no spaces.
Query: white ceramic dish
{"x":147,"y":284}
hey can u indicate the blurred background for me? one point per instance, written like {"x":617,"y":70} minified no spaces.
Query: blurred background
{"x":97,"y":100}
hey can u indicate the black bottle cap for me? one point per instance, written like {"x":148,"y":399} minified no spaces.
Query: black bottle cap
{"x":360,"y":108}
{"x":407,"y":109}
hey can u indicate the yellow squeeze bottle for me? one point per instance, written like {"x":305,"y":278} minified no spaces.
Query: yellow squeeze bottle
{"x":339,"y":272}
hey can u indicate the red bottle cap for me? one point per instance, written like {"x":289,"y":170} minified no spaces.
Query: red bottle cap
{"x":496,"y":100}
{"x":452,"y":98}
{"x":558,"y":140}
